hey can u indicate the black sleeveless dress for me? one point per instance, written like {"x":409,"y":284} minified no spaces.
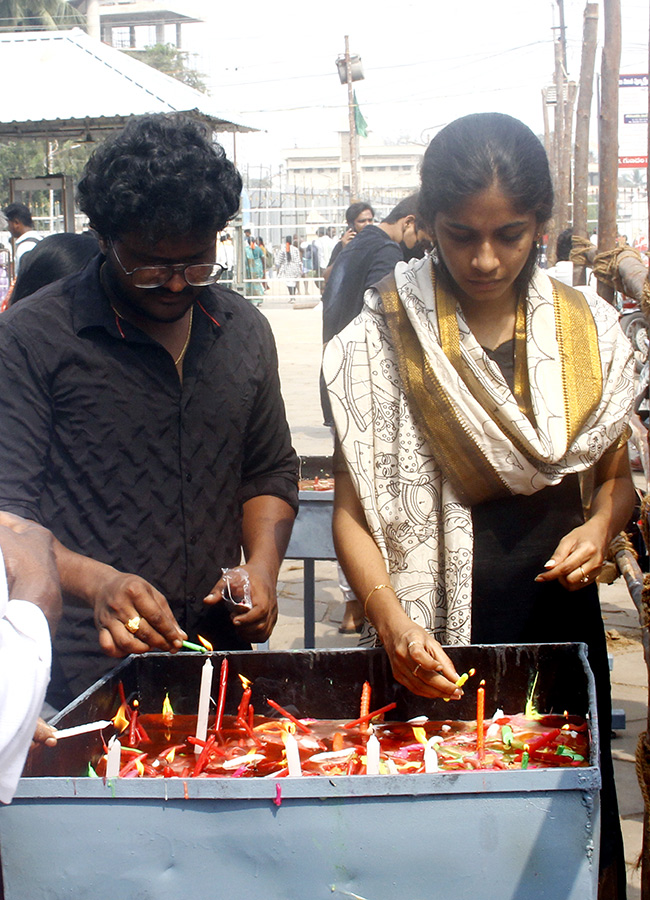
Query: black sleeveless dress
{"x":513,"y":538}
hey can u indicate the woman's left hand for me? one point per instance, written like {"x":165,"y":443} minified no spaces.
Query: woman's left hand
{"x":577,"y":559}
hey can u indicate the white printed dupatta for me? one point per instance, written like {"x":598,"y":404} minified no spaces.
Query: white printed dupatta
{"x":428,"y":426}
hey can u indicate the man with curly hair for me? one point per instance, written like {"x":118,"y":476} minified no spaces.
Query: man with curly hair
{"x":142,"y":420}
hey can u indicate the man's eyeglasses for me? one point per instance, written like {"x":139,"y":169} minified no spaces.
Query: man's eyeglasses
{"x":195,"y":274}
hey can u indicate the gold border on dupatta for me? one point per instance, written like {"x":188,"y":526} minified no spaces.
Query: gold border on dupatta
{"x":582,"y":379}
{"x":450,"y":438}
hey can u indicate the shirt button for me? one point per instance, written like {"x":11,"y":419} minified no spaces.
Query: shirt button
{"x":191,"y":597}
{"x":188,"y":477}
{"x":193,"y":540}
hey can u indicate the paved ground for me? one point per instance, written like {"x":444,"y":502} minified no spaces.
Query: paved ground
{"x":297,"y":332}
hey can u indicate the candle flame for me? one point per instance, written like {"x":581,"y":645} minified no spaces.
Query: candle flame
{"x":245,"y":682}
{"x":420,"y":735}
{"x":120,"y":720}
{"x":171,"y":755}
{"x":208,"y":646}
{"x":167,"y":711}
{"x":139,"y":767}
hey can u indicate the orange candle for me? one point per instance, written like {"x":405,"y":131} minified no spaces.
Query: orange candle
{"x":480,"y":717}
{"x":364,"y":706}
{"x":221,"y":702}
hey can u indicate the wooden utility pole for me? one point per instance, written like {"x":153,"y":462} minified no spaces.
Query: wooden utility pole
{"x":583,"y":117}
{"x":354,"y":140}
{"x":555,"y":226}
{"x":608,"y":135}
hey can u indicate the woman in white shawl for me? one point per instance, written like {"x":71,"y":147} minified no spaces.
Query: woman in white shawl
{"x":468,"y":397}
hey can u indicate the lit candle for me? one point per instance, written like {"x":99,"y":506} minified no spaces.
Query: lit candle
{"x":372,"y":755}
{"x":113,"y":758}
{"x":204,"y":704}
{"x":431,"y":756}
{"x":525,"y":757}
{"x":167,"y":712}
{"x":480,"y":717}
{"x":242,"y":709}
{"x":221,"y":702}
{"x":292,"y":754}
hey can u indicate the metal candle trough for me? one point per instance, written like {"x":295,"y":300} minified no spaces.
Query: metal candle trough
{"x":493,"y":835}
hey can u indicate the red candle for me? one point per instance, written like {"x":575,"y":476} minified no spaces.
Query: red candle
{"x":221,"y":701}
{"x":287,"y":715}
{"x":242,"y":711}
{"x":133,"y":726}
{"x":363,"y":720}
{"x":480,"y":717}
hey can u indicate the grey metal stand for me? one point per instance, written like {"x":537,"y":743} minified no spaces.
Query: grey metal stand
{"x":311,"y":540}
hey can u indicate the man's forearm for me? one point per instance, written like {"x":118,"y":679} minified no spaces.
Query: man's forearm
{"x":80,"y":576}
{"x":266,"y":529}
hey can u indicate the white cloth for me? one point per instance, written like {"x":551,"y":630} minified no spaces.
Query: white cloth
{"x":324,"y":244}
{"x":414,"y":514}
{"x":25,"y":659}
{"x":562,"y":270}
{"x":23,"y":245}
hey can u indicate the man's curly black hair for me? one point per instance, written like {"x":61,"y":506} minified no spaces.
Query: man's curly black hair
{"x":162,"y":176}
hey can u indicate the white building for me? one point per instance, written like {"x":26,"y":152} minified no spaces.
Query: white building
{"x":381,"y":167}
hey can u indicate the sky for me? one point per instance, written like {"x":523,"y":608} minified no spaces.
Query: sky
{"x":425,"y":64}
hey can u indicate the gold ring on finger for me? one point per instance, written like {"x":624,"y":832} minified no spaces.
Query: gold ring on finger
{"x":415,"y":670}
{"x":585,"y":577}
{"x":133,"y":624}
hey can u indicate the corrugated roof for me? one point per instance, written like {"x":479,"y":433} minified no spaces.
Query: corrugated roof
{"x":68,"y":85}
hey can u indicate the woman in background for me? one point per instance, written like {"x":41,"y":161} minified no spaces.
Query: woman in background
{"x":289,"y":266}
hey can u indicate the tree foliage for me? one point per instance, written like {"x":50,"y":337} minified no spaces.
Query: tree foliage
{"x":38,"y":15}
{"x":28,"y":159}
{"x":169,"y":59}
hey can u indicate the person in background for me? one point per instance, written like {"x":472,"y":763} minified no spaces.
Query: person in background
{"x":30,"y":609}
{"x":289,"y":266}
{"x":56,"y":256}
{"x":468,"y":396}
{"x":254,"y":271}
{"x":21,"y":228}
{"x":324,"y":245}
{"x":358,"y":216}
{"x":373,"y":254}
{"x":563,"y":268}
{"x":142,"y":420}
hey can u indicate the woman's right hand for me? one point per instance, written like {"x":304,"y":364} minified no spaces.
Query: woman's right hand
{"x":419,"y":662}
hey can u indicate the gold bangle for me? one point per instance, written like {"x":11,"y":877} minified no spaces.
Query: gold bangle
{"x":377,"y":587}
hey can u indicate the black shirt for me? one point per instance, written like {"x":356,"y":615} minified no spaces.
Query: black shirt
{"x":101,"y":443}
{"x":368,"y":258}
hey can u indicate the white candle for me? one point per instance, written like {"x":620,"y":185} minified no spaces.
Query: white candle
{"x":292,"y":753}
{"x":82,"y":729}
{"x":431,"y":756}
{"x":204,"y":704}
{"x":113,"y":758}
{"x":372,"y":756}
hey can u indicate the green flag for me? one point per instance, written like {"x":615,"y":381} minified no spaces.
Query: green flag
{"x":359,"y":122}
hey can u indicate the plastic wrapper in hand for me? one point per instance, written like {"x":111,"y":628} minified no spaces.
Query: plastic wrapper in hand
{"x":237,"y":590}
